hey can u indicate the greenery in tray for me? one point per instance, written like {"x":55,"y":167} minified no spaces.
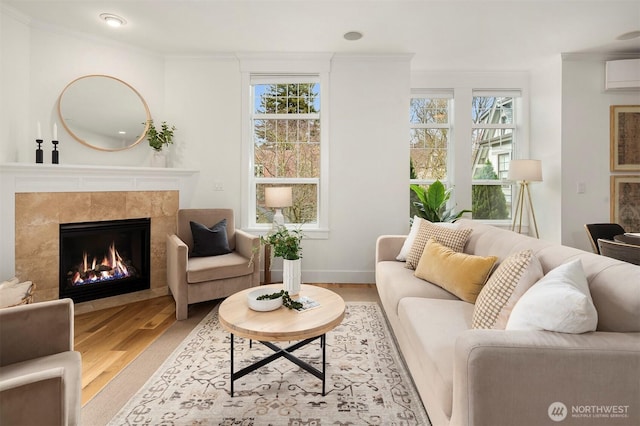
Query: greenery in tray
{"x":157,"y":139}
{"x":285,"y":242}
{"x":287,"y":301}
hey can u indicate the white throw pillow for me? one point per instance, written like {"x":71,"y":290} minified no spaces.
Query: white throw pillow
{"x":560,"y":301}
{"x":14,"y":293}
{"x":408,"y":242}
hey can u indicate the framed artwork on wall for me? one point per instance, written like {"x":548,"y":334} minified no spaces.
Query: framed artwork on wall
{"x":625,"y":138}
{"x":625,"y":201}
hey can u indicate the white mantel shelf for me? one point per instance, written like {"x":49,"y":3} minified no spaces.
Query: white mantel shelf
{"x":62,"y":178}
{"x":30,"y":177}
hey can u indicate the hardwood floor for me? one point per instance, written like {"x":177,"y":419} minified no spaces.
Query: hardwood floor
{"x":109,"y":339}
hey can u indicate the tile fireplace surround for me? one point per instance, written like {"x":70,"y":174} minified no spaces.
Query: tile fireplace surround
{"x":36,"y":198}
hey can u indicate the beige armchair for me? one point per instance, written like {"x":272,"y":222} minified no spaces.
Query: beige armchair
{"x":197,"y":279}
{"x":40,"y":373}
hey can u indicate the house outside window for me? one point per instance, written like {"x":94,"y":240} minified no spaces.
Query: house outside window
{"x":429,"y":137}
{"x":493,"y":138}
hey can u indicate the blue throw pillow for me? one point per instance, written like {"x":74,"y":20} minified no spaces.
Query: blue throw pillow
{"x":209,"y":241}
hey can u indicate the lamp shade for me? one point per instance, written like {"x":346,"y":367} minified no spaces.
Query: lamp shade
{"x":278,"y":197}
{"x":528,"y":170}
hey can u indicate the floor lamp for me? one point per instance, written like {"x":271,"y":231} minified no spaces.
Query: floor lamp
{"x":524,"y":171}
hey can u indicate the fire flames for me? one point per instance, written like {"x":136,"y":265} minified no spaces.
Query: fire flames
{"x":111,"y":267}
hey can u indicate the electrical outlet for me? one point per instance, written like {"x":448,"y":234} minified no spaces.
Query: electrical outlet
{"x":580,"y":188}
{"x":218,"y":186}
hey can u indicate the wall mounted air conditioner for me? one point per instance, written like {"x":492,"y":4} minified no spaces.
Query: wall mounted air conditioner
{"x":622,"y":74}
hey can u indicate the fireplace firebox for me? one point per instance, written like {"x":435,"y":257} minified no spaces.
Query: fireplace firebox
{"x":106,"y":258}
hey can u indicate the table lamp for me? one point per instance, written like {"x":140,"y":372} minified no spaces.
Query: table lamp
{"x":524,"y":171}
{"x":277,"y":197}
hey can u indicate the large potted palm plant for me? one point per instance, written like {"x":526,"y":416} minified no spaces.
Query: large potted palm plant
{"x":286,"y":243}
{"x":432,"y":204}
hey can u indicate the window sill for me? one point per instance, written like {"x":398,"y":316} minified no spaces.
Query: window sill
{"x":309,"y":234}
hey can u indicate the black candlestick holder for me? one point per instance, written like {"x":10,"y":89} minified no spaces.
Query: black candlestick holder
{"x":39,"y":151}
{"x":55,"y":158}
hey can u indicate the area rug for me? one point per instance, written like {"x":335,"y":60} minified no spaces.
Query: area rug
{"x":367,"y":382}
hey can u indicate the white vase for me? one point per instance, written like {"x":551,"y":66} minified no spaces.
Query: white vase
{"x":291,"y":275}
{"x":159,"y":159}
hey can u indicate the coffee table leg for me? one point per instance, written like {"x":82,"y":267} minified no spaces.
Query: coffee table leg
{"x":231,"y":376}
{"x":324,"y":365}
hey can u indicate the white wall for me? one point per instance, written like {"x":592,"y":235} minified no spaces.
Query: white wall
{"x":546,"y":145}
{"x":585,"y":145}
{"x":368,"y":130}
{"x":201,"y":97}
{"x":14,"y":84}
{"x":368,"y":166}
{"x":37,"y":65}
{"x":203,"y":101}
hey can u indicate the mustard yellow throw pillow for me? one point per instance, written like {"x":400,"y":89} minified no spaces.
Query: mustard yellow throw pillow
{"x":460,"y":274}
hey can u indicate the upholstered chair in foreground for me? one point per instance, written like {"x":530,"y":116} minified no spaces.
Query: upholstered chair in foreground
{"x":40,"y":373}
{"x":208,"y":258}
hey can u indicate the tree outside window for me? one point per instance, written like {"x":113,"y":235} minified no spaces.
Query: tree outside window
{"x":429,"y":131}
{"x":286,"y":147}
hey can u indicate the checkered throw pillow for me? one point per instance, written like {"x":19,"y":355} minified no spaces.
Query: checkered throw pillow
{"x":455,"y":239}
{"x":509,"y":281}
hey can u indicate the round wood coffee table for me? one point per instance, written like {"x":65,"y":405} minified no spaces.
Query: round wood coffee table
{"x":282,"y":324}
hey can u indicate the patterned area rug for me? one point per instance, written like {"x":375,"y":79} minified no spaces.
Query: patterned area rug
{"x":367,"y":383}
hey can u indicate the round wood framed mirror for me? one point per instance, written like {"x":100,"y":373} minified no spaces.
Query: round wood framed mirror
{"x":104,"y":112}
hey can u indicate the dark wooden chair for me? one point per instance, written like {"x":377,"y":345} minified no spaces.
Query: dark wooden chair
{"x":605,"y":231}
{"x":621,"y":251}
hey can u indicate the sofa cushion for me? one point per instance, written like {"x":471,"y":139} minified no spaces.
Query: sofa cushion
{"x":559,"y":302}
{"x":201,"y":269}
{"x":459,"y":273}
{"x":209,"y":241}
{"x":513,"y":277}
{"x":395,"y":282}
{"x":455,"y":239}
{"x":432,"y":326}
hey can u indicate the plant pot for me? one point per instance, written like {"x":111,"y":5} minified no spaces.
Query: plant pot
{"x":159,"y":159}
{"x":291,"y":275}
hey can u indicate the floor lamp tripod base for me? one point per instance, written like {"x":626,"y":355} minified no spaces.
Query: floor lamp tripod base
{"x":524,"y":189}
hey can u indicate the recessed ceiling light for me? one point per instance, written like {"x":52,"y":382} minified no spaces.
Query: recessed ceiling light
{"x":629,"y":36}
{"x":352,"y":35}
{"x":112,"y":20}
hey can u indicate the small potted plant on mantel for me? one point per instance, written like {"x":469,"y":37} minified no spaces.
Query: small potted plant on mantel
{"x":158,"y":140}
{"x":286,"y":243}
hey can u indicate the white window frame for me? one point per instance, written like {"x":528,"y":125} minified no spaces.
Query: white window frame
{"x":515,"y":128}
{"x":287,"y":67}
{"x":441,"y":94}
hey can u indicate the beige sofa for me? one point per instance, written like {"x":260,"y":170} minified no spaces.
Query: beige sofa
{"x":470,"y":376}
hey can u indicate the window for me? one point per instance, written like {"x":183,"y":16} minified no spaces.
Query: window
{"x":286,"y":140}
{"x":429,"y":132}
{"x":492,"y":144}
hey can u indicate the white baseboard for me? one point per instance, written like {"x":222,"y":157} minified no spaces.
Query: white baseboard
{"x":356,"y":277}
